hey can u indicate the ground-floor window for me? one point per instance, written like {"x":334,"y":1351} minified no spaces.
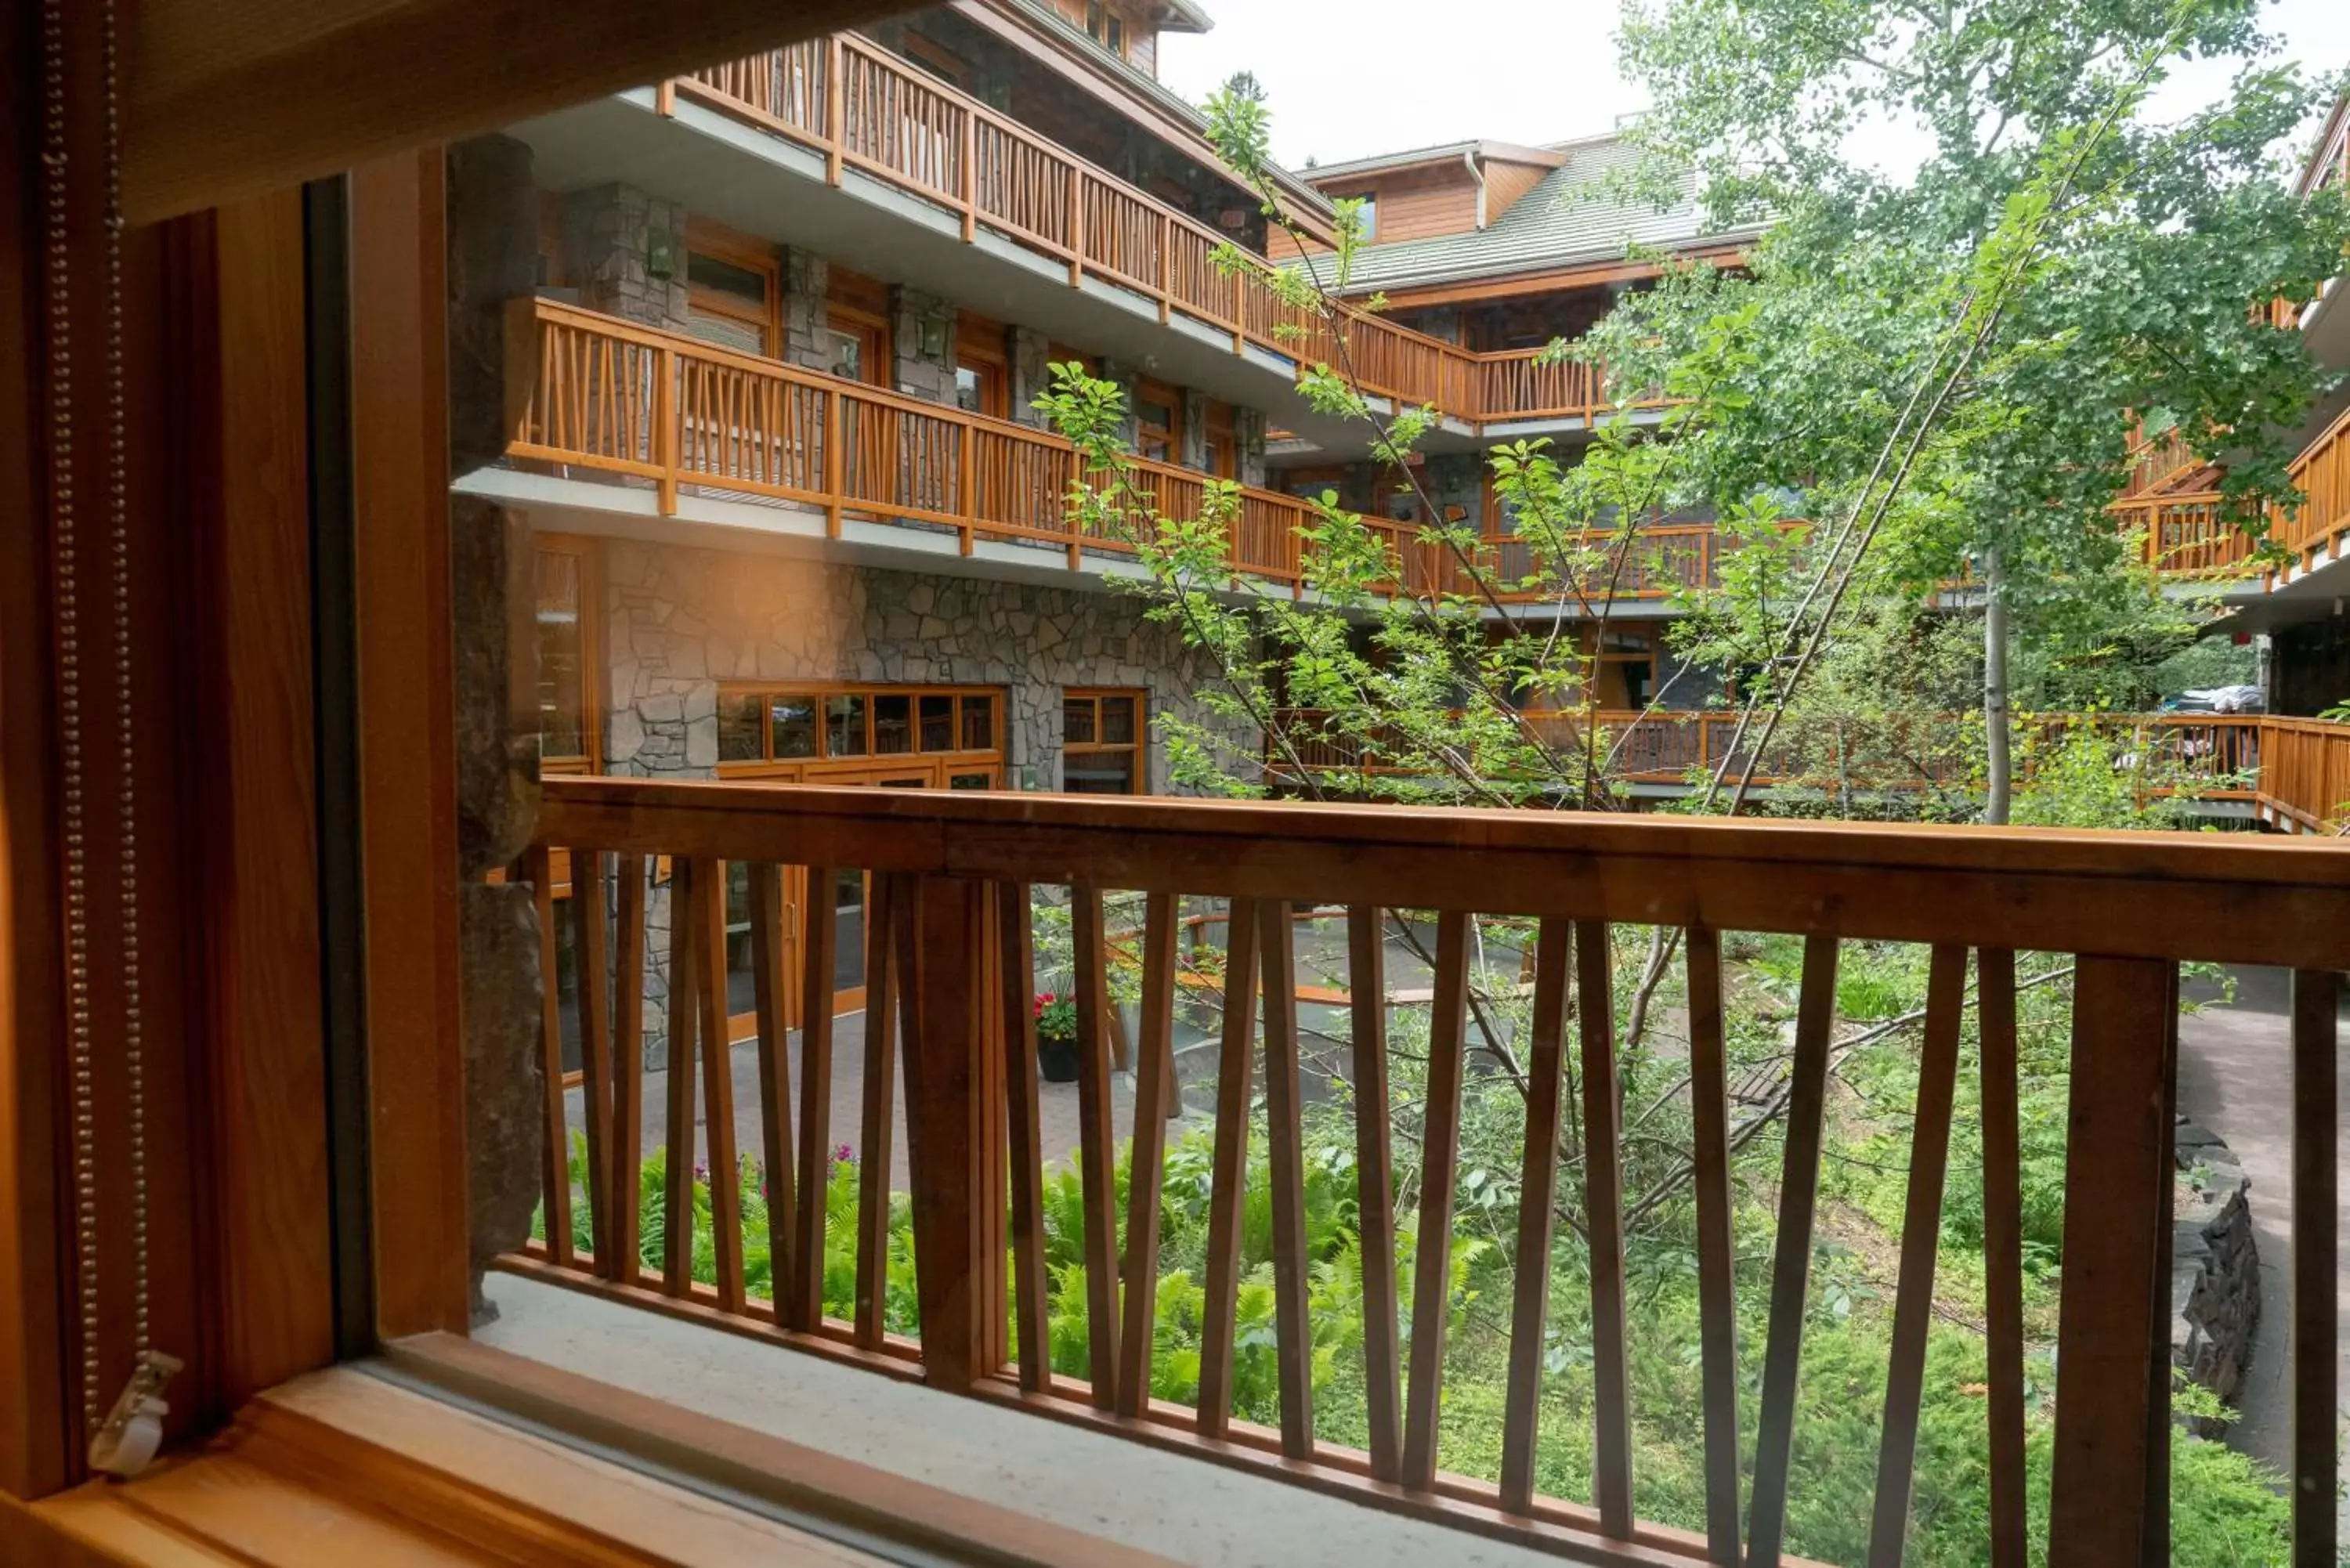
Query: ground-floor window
{"x":909,"y":737}
{"x":1101,"y":742}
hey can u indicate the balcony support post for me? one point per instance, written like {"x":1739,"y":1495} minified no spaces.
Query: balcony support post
{"x":955,"y":1139}
{"x":2111,"y":1500}
{"x":835,"y":115}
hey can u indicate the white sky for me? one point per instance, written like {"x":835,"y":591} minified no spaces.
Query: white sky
{"x":1348,"y":78}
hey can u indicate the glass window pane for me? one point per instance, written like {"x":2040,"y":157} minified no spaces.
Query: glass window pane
{"x":938,"y":724}
{"x":848,"y":930}
{"x":979,"y":723}
{"x":969,"y":396}
{"x":847,"y":355}
{"x":726,"y":331}
{"x":844,"y":725}
{"x":792,"y":722}
{"x":1077,"y":720}
{"x":971,"y":781}
{"x":893,"y":725}
{"x":562,"y":715}
{"x":1118,"y":721}
{"x":1098,"y":773}
{"x":738,"y":729}
{"x":740,"y":283}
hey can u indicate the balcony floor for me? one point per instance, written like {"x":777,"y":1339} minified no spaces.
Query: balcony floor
{"x":1184,"y":1509}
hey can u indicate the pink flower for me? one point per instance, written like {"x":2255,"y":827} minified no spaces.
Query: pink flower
{"x":843,"y":1155}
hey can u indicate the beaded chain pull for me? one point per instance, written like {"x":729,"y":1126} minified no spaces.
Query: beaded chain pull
{"x":124,"y":1443}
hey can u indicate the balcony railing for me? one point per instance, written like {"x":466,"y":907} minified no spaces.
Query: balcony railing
{"x":865,"y":108}
{"x":673,"y":411}
{"x":2298,"y":769}
{"x":951,"y":963}
{"x":2313,"y":530}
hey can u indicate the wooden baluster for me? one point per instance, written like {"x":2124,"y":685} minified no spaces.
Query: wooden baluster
{"x":1025,"y":1120}
{"x":1431,"y":1273}
{"x":884,"y":976}
{"x":555,"y":1156}
{"x":970,"y":181}
{"x":1790,"y":1264}
{"x":1921,"y":1225}
{"x":1154,"y":1083}
{"x":718,"y":1082}
{"x":1603,"y":1205}
{"x":2002,"y":1253}
{"x":665,"y":432}
{"x":1382,"y":1330}
{"x":767,"y":989}
{"x":835,"y":111}
{"x":1285,"y":1111}
{"x":2117,"y":1180}
{"x":1076,"y":227}
{"x":1228,"y":1168}
{"x":677,"y":1210}
{"x":951,"y":1141}
{"x":1096,"y":1150}
{"x":591,"y":944}
{"x":820,"y":910}
{"x":2316,"y":1277}
{"x":1537,"y":1217}
{"x":1717,"y":1296}
{"x":627,"y":1154}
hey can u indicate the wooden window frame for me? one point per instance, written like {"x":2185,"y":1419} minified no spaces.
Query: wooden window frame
{"x":1171,"y":399}
{"x":1137,"y":747}
{"x":956,"y":759}
{"x":703,"y":237}
{"x":1221,"y":448}
{"x":595,"y":675}
{"x":983,"y":345}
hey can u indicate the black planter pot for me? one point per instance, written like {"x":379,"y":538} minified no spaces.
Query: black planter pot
{"x":1057,"y":1059}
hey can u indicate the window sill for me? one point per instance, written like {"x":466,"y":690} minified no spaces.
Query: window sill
{"x":348,"y":1465}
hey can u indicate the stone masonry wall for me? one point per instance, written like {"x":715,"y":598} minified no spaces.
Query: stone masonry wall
{"x":680,"y":620}
{"x":607,"y":235}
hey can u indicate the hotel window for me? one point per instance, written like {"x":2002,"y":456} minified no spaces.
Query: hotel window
{"x":815,"y":734}
{"x":1222,"y":448}
{"x":1101,"y":742}
{"x":1158,"y":421}
{"x":729,"y":304}
{"x":1108,"y":28}
{"x":570,"y":709}
{"x":982,"y":367}
{"x":1366,"y":220}
{"x":856,"y":340}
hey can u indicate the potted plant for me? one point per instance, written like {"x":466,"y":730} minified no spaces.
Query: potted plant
{"x":1056,"y":1037}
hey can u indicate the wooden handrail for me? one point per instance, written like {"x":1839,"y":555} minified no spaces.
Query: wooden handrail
{"x":2321,"y":473}
{"x":2299,"y":768}
{"x":948,"y":939}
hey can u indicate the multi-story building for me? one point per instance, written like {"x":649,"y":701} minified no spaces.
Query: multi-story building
{"x":796,"y":515}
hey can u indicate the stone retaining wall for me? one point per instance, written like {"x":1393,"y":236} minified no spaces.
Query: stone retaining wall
{"x":2215,"y":1280}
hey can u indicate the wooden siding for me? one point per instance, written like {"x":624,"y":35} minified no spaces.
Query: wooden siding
{"x":1419,"y":203}
{"x":1505,"y":182}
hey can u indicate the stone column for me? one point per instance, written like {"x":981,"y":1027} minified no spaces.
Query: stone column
{"x":807,"y":318}
{"x":1124,"y":377}
{"x":1195,"y":429}
{"x":1032,"y":373}
{"x":492,"y":233}
{"x":1248,"y":435}
{"x":629,"y":251}
{"x":914,"y":316}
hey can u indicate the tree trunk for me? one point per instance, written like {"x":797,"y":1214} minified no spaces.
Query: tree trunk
{"x":1999,"y":768}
